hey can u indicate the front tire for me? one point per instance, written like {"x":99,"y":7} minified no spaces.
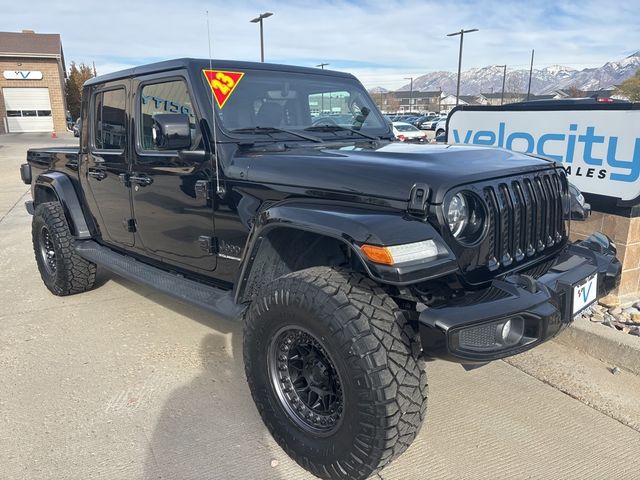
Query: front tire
{"x":334,"y":369}
{"x":63,"y":271}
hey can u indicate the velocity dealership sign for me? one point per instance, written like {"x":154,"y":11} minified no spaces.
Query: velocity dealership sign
{"x":598,"y":147}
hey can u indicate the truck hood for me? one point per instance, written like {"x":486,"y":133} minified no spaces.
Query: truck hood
{"x":387,"y":172}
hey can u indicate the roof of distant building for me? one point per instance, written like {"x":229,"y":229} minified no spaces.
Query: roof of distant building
{"x":30,"y":44}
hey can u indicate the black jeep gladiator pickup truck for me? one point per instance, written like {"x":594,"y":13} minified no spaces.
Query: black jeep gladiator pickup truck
{"x":276,"y":195}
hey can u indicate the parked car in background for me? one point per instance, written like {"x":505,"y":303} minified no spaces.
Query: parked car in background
{"x":76,"y":127}
{"x":422,"y":122}
{"x":431,"y":124}
{"x":441,"y":126}
{"x":405,"y":132}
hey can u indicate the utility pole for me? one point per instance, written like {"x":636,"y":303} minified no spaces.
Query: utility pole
{"x":410,"y":93}
{"x":461,"y":33}
{"x":322,"y":65}
{"x":530,"y":75}
{"x":504,"y":77}
{"x":259,"y":19}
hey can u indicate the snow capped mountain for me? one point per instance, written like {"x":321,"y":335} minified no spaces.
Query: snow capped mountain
{"x":489,"y":79}
{"x":378,"y":90}
{"x":558,"y":71}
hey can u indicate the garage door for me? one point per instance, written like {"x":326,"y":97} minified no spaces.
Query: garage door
{"x":28,"y":109}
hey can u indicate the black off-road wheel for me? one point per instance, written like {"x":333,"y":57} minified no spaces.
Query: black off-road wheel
{"x":334,"y":369}
{"x":63,"y":271}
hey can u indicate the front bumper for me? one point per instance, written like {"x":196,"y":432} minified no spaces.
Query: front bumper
{"x":536,"y":310}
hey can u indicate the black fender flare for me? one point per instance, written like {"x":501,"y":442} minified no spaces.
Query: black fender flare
{"x":64,"y":191}
{"x":353,"y":226}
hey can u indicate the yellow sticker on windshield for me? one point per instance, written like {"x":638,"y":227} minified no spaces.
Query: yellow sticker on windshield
{"x":222,"y":84}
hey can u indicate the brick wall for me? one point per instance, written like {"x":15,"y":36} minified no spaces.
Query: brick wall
{"x":52,"y":78}
{"x":625,"y":232}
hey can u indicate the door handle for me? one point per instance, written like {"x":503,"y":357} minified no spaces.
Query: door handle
{"x":97,"y":174}
{"x":140,"y":179}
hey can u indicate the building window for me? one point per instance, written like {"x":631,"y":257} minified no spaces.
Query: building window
{"x":14,"y":113}
{"x":44,"y":113}
{"x":29,"y":113}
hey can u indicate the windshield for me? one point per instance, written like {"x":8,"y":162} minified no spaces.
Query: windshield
{"x":262,"y":100}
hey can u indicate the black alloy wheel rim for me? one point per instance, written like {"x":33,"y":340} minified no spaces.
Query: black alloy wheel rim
{"x":306,"y":381}
{"x":47,"y":251}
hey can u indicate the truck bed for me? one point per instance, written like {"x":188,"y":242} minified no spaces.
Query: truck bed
{"x":53,"y":158}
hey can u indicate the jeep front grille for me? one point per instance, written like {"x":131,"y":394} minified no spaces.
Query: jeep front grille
{"x":525,"y":218}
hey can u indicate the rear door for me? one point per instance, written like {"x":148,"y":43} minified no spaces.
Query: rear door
{"x":172,"y":209}
{"x":106,"y":166}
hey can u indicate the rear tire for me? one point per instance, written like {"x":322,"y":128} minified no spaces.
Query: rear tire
{"x":334,"y":369}
{"x":63,"y":271}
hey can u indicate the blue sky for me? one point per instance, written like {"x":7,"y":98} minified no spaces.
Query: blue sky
{"x":380,"y":42}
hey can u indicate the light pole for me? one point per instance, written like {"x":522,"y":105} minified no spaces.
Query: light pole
{"x":259,"y":19}
{"x":322,"y":65}
{"x":461,"y":33}
{"x":504,"y":77}
{"x":530,"y":75}
{"x":410,"y":93}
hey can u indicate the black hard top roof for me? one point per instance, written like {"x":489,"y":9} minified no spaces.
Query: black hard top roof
{"x":190,"y":63}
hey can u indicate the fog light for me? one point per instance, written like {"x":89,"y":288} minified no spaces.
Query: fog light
{"x":506,"y":329}
{"x":511,"y":331}
{"x":495,"y":336}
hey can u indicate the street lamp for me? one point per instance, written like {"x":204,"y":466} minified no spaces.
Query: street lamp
{"x":504,"y":77}
{"x":410,"y":93}
{"x":259,"y":19}
{"x":461,"y":33}
{"x":322,"y":65}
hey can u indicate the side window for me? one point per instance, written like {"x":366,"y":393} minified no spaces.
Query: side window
{"x":166,"y":97}
{"x":110,"y":127}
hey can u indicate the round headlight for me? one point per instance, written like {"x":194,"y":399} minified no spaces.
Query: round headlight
{"x":465,"y":215}
{"x":457,"y":213}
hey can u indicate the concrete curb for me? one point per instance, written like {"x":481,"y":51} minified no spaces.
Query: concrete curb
{"x":605,"y":344}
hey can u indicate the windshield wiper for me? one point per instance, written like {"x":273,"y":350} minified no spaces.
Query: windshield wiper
{"x":268,"y":130}
{"x":328,"y":127}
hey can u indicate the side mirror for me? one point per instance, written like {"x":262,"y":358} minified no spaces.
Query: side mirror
{"x":580,"y":210}
{"x":171,"y":131}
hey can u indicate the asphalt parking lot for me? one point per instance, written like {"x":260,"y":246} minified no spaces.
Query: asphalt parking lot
{"x":125,"y":383}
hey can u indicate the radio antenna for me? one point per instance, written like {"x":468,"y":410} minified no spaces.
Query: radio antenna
{"x":213,"y":113}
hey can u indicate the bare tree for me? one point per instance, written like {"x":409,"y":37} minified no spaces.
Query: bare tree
{"x":575,"y":92}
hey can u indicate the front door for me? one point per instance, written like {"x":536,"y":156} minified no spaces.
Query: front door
{"x":173,"y":211}
{"x":106,"y":164}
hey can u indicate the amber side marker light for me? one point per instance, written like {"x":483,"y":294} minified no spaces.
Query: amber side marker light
{"x":397,"y":254}
{"x":377,"y":254}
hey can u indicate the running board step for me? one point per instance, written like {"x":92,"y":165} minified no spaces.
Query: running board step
{"x":214,"y":300}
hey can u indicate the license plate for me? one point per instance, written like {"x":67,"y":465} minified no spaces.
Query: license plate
{"x":585,"y":294}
